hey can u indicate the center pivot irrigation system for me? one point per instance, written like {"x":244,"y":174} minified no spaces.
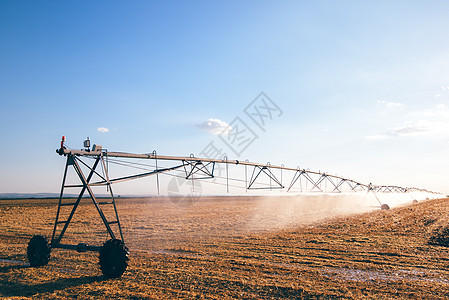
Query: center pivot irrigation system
{"x":91,"y":166}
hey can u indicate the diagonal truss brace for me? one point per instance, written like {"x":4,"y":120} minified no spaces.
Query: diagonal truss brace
{"x":198,"y":167}
{"x":306,"y":175}
{"x":355,"y":186}
{"x":338,"y":185}
{"x":267,"y":171}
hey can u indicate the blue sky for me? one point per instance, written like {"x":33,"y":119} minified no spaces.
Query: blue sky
{"x":363,"y":85}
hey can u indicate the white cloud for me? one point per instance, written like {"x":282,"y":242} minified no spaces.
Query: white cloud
{"x":389,"y":104}
{"x":394,"y":104}
{"x":214,"y":126}
{"x":102,"y":129}
{"x":376,"y":137}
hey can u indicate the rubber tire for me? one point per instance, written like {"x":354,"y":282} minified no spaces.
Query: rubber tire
{"x":38,"y":251}
{"x":385,"y":207}
{"x":113,"y":258}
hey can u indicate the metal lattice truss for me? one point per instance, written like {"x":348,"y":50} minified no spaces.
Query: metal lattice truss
{"x":263,"y":176}
{"x":204,"y":168}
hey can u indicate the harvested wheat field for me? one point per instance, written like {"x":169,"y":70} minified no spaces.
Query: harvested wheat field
{"x":239,"y":248}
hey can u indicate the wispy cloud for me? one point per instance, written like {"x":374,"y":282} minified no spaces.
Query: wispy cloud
{"x":102,"y":129}
{"x":432,"y":120}
{"x":421,"y":127}
{"x":214,"y":126}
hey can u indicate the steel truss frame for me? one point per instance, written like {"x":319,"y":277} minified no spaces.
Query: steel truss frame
{"x":195,"y":169}
{"x":203,"y":168}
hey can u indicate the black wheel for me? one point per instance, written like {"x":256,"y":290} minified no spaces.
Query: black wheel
{"x":385,"y":207}
{"x":113,"y":258}
{"x":38,"y":251}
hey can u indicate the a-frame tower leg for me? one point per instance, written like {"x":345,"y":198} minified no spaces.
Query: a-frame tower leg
{"x":57,"y":236}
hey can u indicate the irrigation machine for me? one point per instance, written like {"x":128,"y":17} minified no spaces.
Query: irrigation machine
{"x":91,"y":166}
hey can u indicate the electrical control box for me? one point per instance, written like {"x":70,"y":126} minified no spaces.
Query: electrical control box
{"x":97,"y":148}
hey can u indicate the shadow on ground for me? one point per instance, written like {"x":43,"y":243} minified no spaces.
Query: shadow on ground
{"x":11,"y":288}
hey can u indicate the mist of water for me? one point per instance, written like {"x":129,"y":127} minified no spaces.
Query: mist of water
{"x":277,"y":213}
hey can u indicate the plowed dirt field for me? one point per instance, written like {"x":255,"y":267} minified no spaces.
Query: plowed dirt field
{"x":240,"y":248}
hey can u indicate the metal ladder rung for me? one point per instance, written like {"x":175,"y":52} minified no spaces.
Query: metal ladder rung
{"x":103,"y":203}
{"x":73,"y":186}
{"x":61,"y":222}
{"x":113,"y":222}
